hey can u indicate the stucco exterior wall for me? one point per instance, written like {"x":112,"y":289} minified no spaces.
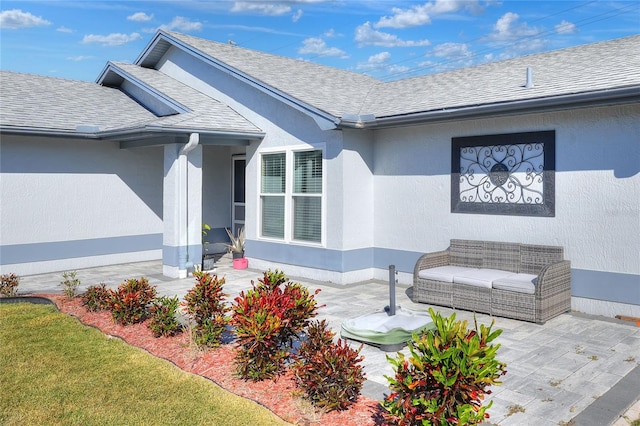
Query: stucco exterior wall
{"x":285,"y":128}
{"x":388,"y":192}
{"x":69,"y":204}
{"x":597,"y":194}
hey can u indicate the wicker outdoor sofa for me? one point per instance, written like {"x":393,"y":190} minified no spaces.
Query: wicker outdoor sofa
{"x":521,"y":281}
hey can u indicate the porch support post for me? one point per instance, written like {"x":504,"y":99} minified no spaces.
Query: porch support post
{"x":182,"y":209}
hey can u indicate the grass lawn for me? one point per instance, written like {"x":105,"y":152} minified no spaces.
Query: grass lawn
{"x":54,"y":371}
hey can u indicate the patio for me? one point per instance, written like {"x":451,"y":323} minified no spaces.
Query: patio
{"x":575,"y":366}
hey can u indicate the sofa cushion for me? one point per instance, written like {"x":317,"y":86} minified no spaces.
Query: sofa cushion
{"x":442,"y":273}
{"x":520,"y":283}
{"x":480,"y":277}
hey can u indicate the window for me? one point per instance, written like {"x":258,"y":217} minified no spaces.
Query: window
{"x":292,"y":209}
{"x":508,"y":174}
{"x":273,"y":191}
{"x":307,"y":196}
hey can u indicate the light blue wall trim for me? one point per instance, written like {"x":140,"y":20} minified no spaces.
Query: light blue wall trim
{"x":171,"y":255}
{"x":57,"y":250}
{"x":311,"y":257}
{"x":610,"y":286}
{"x":403,"y":260}
{"x":600,"y":285}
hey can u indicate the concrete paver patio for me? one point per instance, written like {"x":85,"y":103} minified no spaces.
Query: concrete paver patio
{"x":576,"y":366}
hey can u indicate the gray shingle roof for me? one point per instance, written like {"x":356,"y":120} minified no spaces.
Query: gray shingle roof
{"x":206,"y":113}
{"x":55,"y":104}
{"x":328,"y":89}
{"x":581,"y":69}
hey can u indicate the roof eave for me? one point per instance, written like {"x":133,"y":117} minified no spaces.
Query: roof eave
{"x":607,"y":97}
{"x":153,"y":130}
{"x":137,"y":133}
{"x":169,"y":102}
{"x":38,"y":131}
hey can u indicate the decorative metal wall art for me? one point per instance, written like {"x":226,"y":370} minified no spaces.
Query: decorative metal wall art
{"x":508,"y":174}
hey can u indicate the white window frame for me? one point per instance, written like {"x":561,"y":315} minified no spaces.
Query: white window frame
{"x":289,"y":195}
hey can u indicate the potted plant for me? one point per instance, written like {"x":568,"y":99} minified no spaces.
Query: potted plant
{"x":208,"y":262}
{"x":236,"y":247}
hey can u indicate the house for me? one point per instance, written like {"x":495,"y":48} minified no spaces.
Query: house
{"x":334,"y":174}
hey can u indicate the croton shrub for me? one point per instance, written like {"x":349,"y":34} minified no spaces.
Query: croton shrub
{"x":446,"y":376}
{"x":130,"y":301}
{"x":329,"y":373}
{"x":206,"y":307}
{"x":267,"y":318}
{"x":163,"y":316}
{"x":9,"y":284}
{"x":96,"y":298}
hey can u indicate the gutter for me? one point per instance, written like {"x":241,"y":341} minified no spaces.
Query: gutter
{"x":607,"y":97}
{"x":153,"y":130}
{"x":127,"y":134}
{"x":183,"y":220}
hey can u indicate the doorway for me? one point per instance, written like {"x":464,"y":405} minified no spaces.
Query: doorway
{"x":238,"y":193}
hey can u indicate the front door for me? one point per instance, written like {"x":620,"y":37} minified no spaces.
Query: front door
{"x":238,"y":202}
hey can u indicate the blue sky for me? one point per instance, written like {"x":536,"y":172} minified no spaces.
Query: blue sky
{"x":387,"y":39}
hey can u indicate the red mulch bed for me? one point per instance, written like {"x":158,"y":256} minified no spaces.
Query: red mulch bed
{"x":218,"y":365}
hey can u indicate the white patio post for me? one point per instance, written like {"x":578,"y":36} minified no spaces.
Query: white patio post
{"x":182,"y":208}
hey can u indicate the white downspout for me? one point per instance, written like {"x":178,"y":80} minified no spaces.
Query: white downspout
{"x":194,"y":140}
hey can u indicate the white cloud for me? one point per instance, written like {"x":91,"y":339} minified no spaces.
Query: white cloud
{"x":317,"y":46}
{"x":422,"y":14}
{"x":452,"y":50}
{"x":451,"y":56}
{"x":79,"y":58}
{"x":379,"y":58}
{"x":16,"y":18}
{"x":264,"y":7}
{"x":380,"y":63}
{"x":181,"y":23}
{"x":508,"y":28}
{"x":331,"y":33}
{"x":566,"y":27}
{"x":296,"y":16}
{"x":367,"y":36}
{"x":64,"y":30}
{"x":375,"y":62}
{"x":114,"y":39}
{"x":140,"y":17}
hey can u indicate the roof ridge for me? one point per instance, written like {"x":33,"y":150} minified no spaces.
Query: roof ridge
{"x":266,"y":54}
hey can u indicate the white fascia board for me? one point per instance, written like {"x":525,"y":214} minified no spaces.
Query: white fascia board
{"x":324,"y":120}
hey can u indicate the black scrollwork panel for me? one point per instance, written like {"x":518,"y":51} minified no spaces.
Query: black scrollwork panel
{"x":509,"y":174}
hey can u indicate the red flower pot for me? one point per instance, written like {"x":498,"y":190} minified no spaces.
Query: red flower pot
{"x":241,"y":263}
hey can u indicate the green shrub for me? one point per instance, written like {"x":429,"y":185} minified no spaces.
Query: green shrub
{"x":9,"y":285}
{"x":96,"y":298}
{"x":329,"y":373}
{"x":446,"y":376}
{"x":163,"y":316}
{"x":128,"y":304}
{"x":267,"y":318}
{"x":70,"y":284}
{"x":205,"y":305}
